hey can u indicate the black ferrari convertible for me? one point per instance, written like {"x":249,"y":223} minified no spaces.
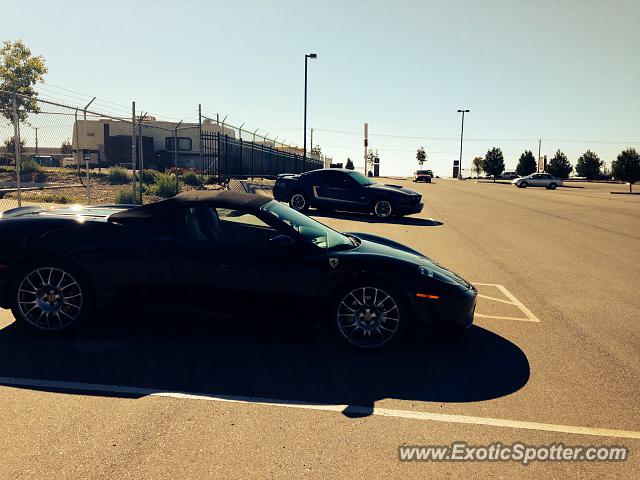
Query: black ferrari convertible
{"x":235,"y":255}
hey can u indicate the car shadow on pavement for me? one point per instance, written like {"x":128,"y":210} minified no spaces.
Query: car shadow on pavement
{"x":365,"y":217}
{"x":284,"y":364}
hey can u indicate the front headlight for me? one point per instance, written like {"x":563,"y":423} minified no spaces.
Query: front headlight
{"x":431,"y":273}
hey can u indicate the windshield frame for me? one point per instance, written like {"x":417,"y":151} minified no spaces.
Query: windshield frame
{"x":267,"y":213}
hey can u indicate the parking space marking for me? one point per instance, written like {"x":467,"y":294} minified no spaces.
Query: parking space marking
{"x":77,"y":387}
{"x":529,"y":316}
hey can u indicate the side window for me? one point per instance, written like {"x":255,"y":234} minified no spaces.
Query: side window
{"x":241,"y":229}
{"x":336,"y":179}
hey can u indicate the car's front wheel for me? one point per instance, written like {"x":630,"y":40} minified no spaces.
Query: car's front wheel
{"x":369,"y":316}
{"x":382,"y":208}
{"x":298,"y":201}
{"x":51,"y":297}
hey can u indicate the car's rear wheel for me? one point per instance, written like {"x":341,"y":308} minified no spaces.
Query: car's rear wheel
{"x":298,"y":201}
{"x":523,"y":184}
{"x":369,"y":316}
{"x":51,"y":297}
{"x":552,"y":186}
{"x":382,"y":208}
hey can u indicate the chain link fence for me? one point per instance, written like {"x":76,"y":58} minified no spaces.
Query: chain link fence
{"x":54,"y":154}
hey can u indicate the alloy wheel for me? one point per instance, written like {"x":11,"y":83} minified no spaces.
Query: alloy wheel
{"x":298,"y":202}
{"x":368,"y":317}
{"x":382,"y":209}
{"x":49,"y":298}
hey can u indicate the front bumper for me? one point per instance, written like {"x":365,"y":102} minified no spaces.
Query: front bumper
{"x":453,"y":310}
{"x":408,"y":209}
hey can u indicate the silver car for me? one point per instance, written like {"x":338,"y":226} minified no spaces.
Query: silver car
{"x":538,"y":180}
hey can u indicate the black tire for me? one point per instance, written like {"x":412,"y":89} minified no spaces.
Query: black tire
{"x":523,"y":185}
{"x":370,"y":315}
{"x":298,"y":201}
{"x":51,"y":296}
{"x":382,"y":208}
{"x":552,"y":186}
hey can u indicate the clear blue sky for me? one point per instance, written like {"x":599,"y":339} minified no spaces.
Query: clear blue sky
{"x":526,"y":69}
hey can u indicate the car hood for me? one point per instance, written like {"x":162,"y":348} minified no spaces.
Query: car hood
{"x":375,"y":245}
{"x":395,"y":189}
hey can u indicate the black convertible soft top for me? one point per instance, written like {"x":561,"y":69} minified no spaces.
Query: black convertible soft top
{"x":219,"y":198}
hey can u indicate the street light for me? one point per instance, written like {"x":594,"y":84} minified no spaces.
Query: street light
{"x":306,"y":58}
{"x":462,"y":111}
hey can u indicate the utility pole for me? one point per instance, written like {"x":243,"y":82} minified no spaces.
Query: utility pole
{"x":366,"y":145}
{"x":306,"y":57}
{"x":539,"y":157}
{"x":133,"y":152}
{"x":463,"y":111}
{"x":141,"y":150}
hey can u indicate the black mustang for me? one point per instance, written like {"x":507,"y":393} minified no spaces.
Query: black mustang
{"x":338,"y":189}
{"x":224,"y":252}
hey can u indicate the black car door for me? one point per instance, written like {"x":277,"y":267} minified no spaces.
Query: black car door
{"x":228,"y":265}
{"x":336,"y":189}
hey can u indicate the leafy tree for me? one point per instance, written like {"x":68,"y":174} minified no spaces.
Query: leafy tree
{"x":316,"y":150}
{"x":19,"y":72}
{"x":349,"y":165}
{"x":66,"y":148}
{"x":10,"y":147}
{"x":626,"y":167}
{"x":527,"y":164}
{"x":372,"y":159}
{"x":589,"y":165}
{"x":559,"y":166}
{"x":421,"y":156}
{"x":478,"y":163}
{"x":493,"y":162}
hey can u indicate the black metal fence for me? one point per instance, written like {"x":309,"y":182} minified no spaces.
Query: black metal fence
{"x":225,"y":157}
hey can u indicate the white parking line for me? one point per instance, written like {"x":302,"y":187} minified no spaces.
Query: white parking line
{"x":530,"y":317}
{"x":352,"y":409}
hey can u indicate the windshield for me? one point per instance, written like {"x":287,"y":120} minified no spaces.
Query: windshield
{"x":315,"y":232}
{"x":361,"y":178}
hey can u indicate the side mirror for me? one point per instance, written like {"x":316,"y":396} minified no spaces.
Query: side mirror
{"x":282,"y":242}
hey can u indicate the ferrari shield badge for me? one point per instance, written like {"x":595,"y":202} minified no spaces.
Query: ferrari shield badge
{"x":333,"y":262}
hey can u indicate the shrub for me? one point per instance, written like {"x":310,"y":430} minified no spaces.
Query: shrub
{"x":40,"y":177}
{"x":55,"y":198}
{"x":191,"y":179}
{"x":118,"y":176}
{"x":124,"y":196}
{"x":150,"y":177}
{"x":28,"y":166}
{"x":165,"y":186}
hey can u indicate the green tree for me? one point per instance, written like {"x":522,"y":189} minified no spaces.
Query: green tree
{"x":589,"y":165}
{"x":421,"y":156}
{"x":559,"y":166}
{"x":10,"y":147}
{"x":372,"y":159}
{"x":316,"y":151}
{"x":477,"y":163}
{"x":349,"y":165}
{"x":626,"y":167}
{"x":66,"y":148}
{"x":493,"y":162}
{"x":19,"y":72}
{"x":527,"y":164}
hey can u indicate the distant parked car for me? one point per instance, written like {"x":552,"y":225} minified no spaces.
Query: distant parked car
{"x":346,"y":190}
{"x":538,"y":180}
{"x":423,"y":176}
{"x":509,"y":175}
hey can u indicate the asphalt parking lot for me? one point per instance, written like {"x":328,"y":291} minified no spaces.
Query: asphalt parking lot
{"x":552,"y":358}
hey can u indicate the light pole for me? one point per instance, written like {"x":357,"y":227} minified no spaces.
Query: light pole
{"x":462,"y":111}
{"x":306,"y":58}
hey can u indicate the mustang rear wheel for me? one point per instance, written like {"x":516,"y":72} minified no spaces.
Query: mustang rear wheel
{"x":368,"y":316}
{"x":51,"y":297}
{"x":299,"y":202}
{"x":382,"y":209}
